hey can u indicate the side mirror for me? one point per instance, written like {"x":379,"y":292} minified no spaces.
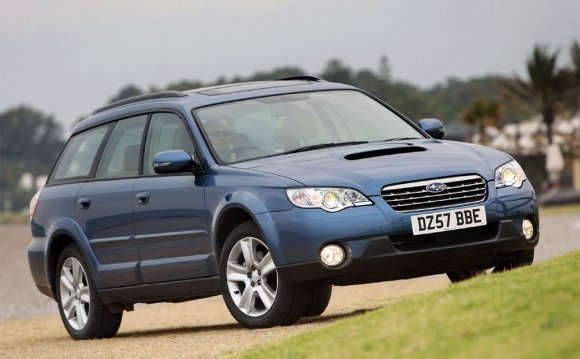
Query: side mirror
{"x":176,"y":161}
{"x":433,"y":127}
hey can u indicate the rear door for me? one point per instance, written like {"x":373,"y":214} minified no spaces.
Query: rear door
{"x":171,"y":221}
{"x":104,"y":205}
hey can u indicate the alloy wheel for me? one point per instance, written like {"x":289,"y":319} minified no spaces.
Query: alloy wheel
{"x":75,"y":294}
{"x":252,"y":277}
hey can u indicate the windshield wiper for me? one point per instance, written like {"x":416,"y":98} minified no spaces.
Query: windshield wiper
{"x":324,"y":145}
{"x":400,"y":139}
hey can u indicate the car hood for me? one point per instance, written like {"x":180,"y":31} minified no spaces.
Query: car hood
{"x":369,"y":167}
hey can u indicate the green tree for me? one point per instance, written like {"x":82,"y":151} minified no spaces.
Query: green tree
{"x":277,"y":73}
{"x":573,"y":98}
{"x":546,"y":89}
{"x":385,"y":72}
{"x":126,"y":92}
{"x":30,"y":141}
{"x":184,"y":85}
{"x":369,"y":81}
{"x":445,"y":101}
{"x":480,"y":114}
{"x":336,"y":71}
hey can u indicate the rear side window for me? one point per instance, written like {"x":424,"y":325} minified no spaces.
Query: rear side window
{"x":121,"y":155}
{"x":79,"y":154}
{"x":166,"y":132}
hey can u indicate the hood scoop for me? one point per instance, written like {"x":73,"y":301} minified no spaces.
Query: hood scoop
{"x":383,"y":152}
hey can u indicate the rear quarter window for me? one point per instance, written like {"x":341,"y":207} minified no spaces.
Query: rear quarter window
{"x":79,"y":155}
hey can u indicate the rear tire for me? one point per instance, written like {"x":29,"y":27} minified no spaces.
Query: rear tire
{"x":83,"y":313}
{"x":319,"y":299}
{"x":253,"y":292}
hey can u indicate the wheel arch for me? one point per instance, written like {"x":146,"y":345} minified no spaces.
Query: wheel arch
{"x":235,"y":209}
{"x":228,"y":219}
{"x":63,"y":233}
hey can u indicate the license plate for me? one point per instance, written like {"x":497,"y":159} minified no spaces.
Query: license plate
{"x":449,"y":220}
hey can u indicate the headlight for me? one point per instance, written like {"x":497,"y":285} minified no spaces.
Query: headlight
{"x":509,"y":175}
{"x":329,"y":199}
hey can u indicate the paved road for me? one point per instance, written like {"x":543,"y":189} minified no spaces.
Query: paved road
{"x":558,"y":235}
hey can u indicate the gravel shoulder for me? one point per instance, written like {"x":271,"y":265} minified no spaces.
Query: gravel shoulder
{"x":30,"y":326}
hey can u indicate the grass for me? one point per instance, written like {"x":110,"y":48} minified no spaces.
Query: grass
{"x":532,"y":312}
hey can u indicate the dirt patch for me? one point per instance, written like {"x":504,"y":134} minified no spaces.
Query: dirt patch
{"x":201,"y":328}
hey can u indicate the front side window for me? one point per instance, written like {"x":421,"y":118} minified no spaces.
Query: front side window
{"x":166,"y":132}
{"x":275,"y":125}
{"x":121,"y":155}
{"x":78,"y":156}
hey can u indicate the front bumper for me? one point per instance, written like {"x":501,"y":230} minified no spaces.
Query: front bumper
{"x":380,"y":245}
{"x":380,"y":260}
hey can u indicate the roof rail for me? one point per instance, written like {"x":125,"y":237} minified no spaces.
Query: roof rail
{"x":301,"y":77}
{"x":150,"y":96}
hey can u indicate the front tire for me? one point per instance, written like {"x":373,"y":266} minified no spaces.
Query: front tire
{"x":465,"y":274}
{"x":253,"y":292}
{"x":520,"y":259}
{"x":83,"y":313}
{"x":318,"y":301}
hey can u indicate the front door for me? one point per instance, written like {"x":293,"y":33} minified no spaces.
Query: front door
{"x":171,"y":221}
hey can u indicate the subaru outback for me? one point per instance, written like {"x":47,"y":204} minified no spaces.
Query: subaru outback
{"x":268,"y":193}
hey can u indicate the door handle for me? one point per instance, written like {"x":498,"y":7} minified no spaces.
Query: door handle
{"x":143,"y":198}
{"x":85,"y":202}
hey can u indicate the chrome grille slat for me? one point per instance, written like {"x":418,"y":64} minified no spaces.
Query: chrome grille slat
{"x":467,"y":185}
{"x":461,"y":190}
{"x":426,"y":206}
{"x":437,"y":200}
{"x":437,"y":195}
{"x":403,"y":193}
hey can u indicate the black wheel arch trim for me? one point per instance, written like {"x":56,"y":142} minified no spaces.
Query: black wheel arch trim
{"x":71,"y":229}
{"x":255,"y":203}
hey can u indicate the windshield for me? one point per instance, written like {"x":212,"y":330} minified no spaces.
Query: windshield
{"x":277,"y":125}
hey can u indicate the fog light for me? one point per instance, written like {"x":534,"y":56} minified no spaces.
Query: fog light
{"x":332,"y":255}
{"x":528,"y":229}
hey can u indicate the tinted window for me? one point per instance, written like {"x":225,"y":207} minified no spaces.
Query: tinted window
{"x":367,"y":119}
{"x":274,"y":125}
{"x":121,"y":155}
{"x":166,"y":132}
{"x":79,"y":154}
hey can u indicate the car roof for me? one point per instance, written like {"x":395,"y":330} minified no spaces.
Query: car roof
{"x":207,"y":96}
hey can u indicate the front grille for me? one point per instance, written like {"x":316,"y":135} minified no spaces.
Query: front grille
{"x":413,"y":196}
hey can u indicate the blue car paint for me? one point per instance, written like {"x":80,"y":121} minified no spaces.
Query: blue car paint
{"x":299,"y":233}
{"x":369,"y":175}
{"x":294,"y":235}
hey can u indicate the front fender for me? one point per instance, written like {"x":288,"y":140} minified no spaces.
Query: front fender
{"x":254,"y":206}
{"x":245,"y":201}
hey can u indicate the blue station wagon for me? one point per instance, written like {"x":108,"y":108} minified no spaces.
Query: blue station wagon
{"x":268,"y":193}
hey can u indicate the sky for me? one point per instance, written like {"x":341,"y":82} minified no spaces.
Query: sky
{"x":68,"y":57}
